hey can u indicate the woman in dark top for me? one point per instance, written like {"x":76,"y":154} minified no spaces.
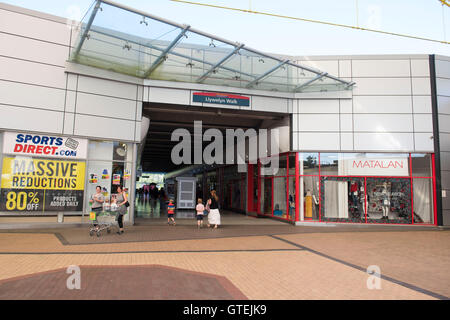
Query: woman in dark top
{"x":214,"y":214}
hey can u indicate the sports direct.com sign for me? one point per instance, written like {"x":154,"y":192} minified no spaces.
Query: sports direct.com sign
{"x":44,"y":146}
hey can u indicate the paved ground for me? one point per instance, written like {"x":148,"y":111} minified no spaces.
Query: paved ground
{"x":264,"y":260}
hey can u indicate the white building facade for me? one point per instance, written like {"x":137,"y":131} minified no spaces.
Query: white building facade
{"x":343,"y":149}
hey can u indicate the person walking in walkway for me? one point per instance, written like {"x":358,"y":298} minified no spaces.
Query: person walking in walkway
{"x":97,"y":200}
{"x":171,"y":213}
{"x":163,"y":199}
{"x":122,"y":203}
{"x":154,"y":194}
{"x":214,"y":214}
{"x":200,"y":208}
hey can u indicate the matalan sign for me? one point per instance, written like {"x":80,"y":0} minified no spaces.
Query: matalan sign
{"x":376,"y":167}
{"x":44,"y":146}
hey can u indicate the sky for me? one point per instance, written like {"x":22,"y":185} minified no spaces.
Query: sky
{"x":423,"y":18}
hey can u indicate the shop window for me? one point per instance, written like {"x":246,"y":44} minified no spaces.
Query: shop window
{"x":309,"y":163}
{"x":291,"y":199}
{"x":309,"y":197}
{"x":266,"y":196}
{"x":279,"y":197}
{"x":108,"y":175}
{"x":421,"y":165}
{"x":282,"y":166}
{"x":292,"y":164}
{"x":389,"y":200}
{"x":343,"y":199}
{"x":423,"y":201}
{"x":328,"y":164}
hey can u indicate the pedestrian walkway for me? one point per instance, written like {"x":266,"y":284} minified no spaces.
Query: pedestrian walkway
{"x":274,"y":261}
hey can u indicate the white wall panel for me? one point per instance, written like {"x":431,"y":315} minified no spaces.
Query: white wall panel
{"x":319,"y":122}
{"x":31,"y":96}
{"x":295,"y":126}
{"x":319,"y":106}
{"x":421,"y":86}
{"x":330,"y":66}
{"x":107,"y":88}
{"x":382,"y":86}
{"x":384,"y":141}
{"x":295,"y":141}
{"x":33,"y":27}
{"x":444,"y":139}
{"x":346,"y":141}
{"x":19,"y":118}
{"x":423,"y":123}
{"x":99,"y":127}
{"x":380,"y":68}
{"x":164,"y":95}
{"x":31,"y":72}
{"x":269,"y":104}
{"x":383,"y":122}
{"x":443,"y":87}
{"x":138,"y":111}
{"x":346,"y":122}
{"x":72,"y":80}
{"x":445,"y":161}
{"x":33,"y":50}
{"x":442,"y":69}
{"x":137,"y":136}
{"x":346,"y":106}
{"x":423,"y":142}
{"x":444,"y":123}
{"x":422,"y":104}
{"x":345,"y":68}
{"x":420,"y":68}
{"x":68,"y":123}
{"x":71,"y":98}
{"x":105,"y":106}
{"x":443,"y":104}
{"x":382,"y":104}
{"x":319,"y":141}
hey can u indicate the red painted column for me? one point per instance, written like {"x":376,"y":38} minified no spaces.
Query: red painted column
{"x":434,"y":189}
{"x":297,"y":188}
{"x":250,"y":189}
{"x":259,"y":188}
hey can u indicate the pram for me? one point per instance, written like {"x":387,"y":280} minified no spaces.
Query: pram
{"x":105,"y":220}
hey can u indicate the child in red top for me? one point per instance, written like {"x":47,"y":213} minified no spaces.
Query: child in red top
{"x":171,"y":213}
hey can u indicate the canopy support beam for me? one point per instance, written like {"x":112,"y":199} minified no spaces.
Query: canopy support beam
{"x":251,"y":84}
{"x":319,"y":76}
{"x":163,"y":54}
{"x":88,"y":27}
{"x":218,"y":64}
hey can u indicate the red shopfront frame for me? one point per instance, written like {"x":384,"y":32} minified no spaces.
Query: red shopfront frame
{"x":288,"y":176}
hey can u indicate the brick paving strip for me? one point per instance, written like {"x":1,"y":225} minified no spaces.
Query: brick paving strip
{"x":121,"y":282}
{"x":383,"y":277}
{"x":261,"y":266}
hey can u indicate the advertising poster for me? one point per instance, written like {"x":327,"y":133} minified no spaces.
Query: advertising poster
{"x":116,"y":179}
{"x":127,"y":174}
{"x":93,"y":178}
{"x":38,"y":185}
{"x":105,"y":174}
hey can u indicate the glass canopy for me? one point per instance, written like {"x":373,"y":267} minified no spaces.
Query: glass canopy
{"x":118,"y":38}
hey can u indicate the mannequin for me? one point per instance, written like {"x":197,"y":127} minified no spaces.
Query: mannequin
{"x":386,"y":203}
{"x":354,"y":193}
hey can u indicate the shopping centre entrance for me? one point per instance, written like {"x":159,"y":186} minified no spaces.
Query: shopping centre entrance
{"x":235,"y":193}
